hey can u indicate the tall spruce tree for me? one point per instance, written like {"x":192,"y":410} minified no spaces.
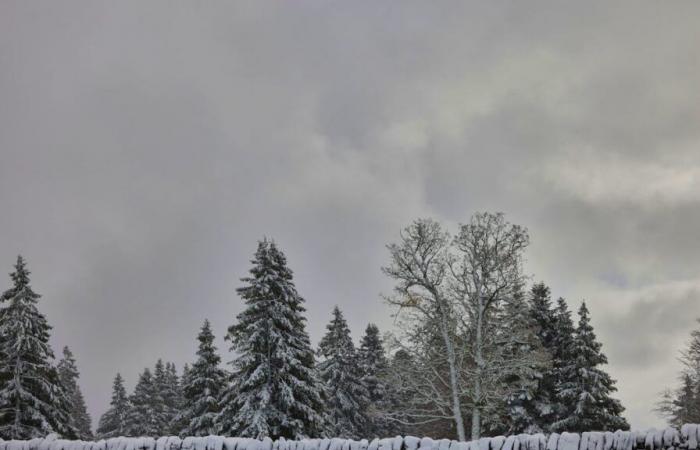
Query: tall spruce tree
{"x":145,"y":417}
{"x":374,"y":369}
{"x":528,"y":360}
{"x":173,"y":397}
{"x":339,"y":368}
{"x":33,"y":402}
{"x":113,"y":423}
{"x":78,"y":415}
{"x":587,"y":391}
{"x":544,"y":317}
{"x":206,"y":382}
{"x":562,"y":343}
{"x":162,"y":400}
{"x":274,"y":390}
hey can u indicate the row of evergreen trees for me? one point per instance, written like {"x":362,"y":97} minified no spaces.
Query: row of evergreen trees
{"x":538,"y":370}
{"x":276,"y":387}
{"x":279,"y":387}
{"x":37,"y":397}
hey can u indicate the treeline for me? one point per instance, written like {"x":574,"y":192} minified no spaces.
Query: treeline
{"x":476,"y":350}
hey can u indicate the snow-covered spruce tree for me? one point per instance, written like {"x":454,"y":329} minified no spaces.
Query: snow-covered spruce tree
{"x":374,"y":369}
{"x":145,"y":415}
{"x":544,"y":317}
{"x":165,"y":398}
{"x":562,"y":342}
{"x":205,"y":383}
{"x":113,"y":423}
{"x":274,"y":388}
{"x":340,"y":371}
{"x":180,"y":422}
{"x":78,"y":415}
{"x":518,"y":345}
{"x":32,"y":400}
{"x":587,"y":394}
{"x":173,"y":397}
{"x":682,"y":405}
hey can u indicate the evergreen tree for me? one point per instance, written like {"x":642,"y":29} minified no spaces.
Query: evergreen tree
{"x":682,"y":405}
{"x":32,"y":400}
{"x":374,"y":369}
{"x":527,"y":361}
{"x":340,"y":371}
{"x":113,"y":423}
{"x":164,"y":395}
{"x":180,"y":422}
{"x":205,"y":383}
{"x":562,"y":343}
{"x":78,"y":415}
{"x":544,"y":317}
{"x":173,"y":397}
{"x":587,"y":393}
{"x":145,"y":418}
{"x":274,"y":390}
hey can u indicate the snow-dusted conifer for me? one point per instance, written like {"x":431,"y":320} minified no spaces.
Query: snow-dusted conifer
{"x":78,"y":415}
{"x":587,"y":390}
{"x":340,"y":371}
{"x":274,"y":390}
{"x":144,"y":418}
{"x":32,"y":400}
{"x":544,"y":317}
{"x":374,"y":368}
{"x":113,"y":423}
{"x":526,"y":361}
{"x":163,"y":401}
{"x":203,"y":389}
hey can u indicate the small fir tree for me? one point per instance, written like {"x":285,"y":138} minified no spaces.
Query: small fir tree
{"x":347,"y":396}
{"x":113,"y":423}
{"x":78,"y":415}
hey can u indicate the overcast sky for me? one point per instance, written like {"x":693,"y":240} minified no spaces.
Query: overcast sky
{"x":146,"y":146}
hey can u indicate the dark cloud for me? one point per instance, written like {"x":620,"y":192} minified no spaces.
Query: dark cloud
{"x":144,"y":148}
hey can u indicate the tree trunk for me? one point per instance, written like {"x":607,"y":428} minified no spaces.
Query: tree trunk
{"x":456,"y":406}
{"x":476,"y":411}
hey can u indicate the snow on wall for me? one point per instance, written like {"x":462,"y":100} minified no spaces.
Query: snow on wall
{"x":667,"y":439}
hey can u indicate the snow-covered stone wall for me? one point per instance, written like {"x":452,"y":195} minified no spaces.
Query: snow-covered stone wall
{"x":670,"y":438}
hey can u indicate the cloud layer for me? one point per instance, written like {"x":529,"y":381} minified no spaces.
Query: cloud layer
{"x":144,"y":148}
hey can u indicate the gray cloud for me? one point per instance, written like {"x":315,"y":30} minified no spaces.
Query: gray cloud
{"x":144,"y":148}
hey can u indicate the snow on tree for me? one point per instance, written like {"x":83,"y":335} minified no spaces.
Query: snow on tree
{"x":587,"y":391}
{"x":166,"y":398}
{"x":274,"y":390}
{"x":145,"y":415}
{"x":113,"y":423}
{"x":68,"y":375}
{"x":206,"y":382}
{"x":544,"y":316}
{"x":562,"y":342}
{"x":173,"y":397}
{"x":374,"y":369}
{"x":32,"y":400}
{"x":180,"y":421}
{"x":341,"y":373}
{"x":682,"y":405}
{"x":420,"y":266}
{"x":487,"y":269}
{"x":526,"y":361}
